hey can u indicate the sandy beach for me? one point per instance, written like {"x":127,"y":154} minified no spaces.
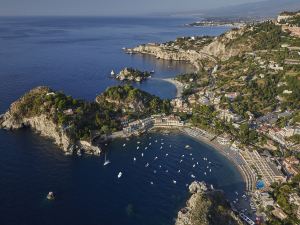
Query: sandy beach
{"x":179,"y":86}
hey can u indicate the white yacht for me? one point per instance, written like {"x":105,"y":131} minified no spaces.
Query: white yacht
{"x":119,"y":175}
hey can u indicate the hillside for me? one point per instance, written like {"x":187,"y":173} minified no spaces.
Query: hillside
{"x":132,"y":101}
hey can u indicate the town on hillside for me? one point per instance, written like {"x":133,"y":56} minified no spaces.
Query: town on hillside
{"x":245,"y":99}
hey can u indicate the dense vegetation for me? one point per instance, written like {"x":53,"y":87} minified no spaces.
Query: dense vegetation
{"x":211,"y":209}
{"x":281,"y":193}
{"x":133,"y":102}
{"x":77,"y":118}
{"x":261,"y":36}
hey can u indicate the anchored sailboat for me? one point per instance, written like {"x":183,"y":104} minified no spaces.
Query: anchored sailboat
{"x":106,"y":161}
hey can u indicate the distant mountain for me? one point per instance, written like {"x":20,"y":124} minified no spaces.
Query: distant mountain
{"x":265,"y":8}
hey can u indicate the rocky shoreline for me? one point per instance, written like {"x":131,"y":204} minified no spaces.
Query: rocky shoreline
{"x":218,"y":49}
{"x":206,"y":206}
{"x":45,"y":126}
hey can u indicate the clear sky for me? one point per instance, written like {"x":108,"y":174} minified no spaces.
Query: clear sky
{"x":107,"y":7}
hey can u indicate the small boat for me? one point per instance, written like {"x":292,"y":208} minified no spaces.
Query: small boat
{"x":134,"y":159}
{"x":146,"y":148}
{"x":210,"y":170}
{"x":170,"y":146}
{"x":159,"y":166}
{"x":124,"y":145}
{"x":119,"y":175}
{"x":187,"y":147}
{"x":161,"y":147}
{"x":79,"y":152}
{"x":155,"y":141}
{"x":150,"y":143}
{"x":68,"y":153}
{"x":138,"y":142}
{"x":152,"y":71}
{"x":142,"y":154}
{"x":180,"y":161}
{"x":197,"y":163}
{"x":112,"y":72}
{"x":194,"y":165}
{"x":191,"y":154}
{"x":162,"y":143}
{"x":192,"y":176}
{"x":167,"y":154}
{"x":205,"y":173}
{"x":167,"y":171}
{"x":151,"y":182}
{"x":155,"y":158}
{"x":182,"y":156}
{"x":50,"y":195}
{"x":192,"y":159}
{"x":137,"y":147}
{"x":174,"y":181}
{"x":178,"y":171}
{"x":154,"y":171}
{"x":147,"y":164}
{"x":207,"y":167}
{"x":106,"y":161}
{"x":236,"y":193}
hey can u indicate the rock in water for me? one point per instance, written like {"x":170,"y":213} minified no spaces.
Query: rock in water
{"x":206,"y":207}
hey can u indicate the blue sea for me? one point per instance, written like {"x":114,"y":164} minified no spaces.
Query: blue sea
{"x":76,"y":55}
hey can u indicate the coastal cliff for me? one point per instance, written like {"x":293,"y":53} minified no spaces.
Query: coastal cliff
{"x":206,"y":207}
{"x":200,"y":51}
{"x":34,"y":110}
{"x":77,"y":125}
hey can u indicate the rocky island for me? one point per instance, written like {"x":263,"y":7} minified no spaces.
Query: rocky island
{"x":206,"y":206}
{"x":131,"y":74}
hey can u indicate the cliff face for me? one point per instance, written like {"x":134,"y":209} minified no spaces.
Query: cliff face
{"x":162,"y":53}
{"x":218,"y":49}
{"x":21,"y":115}
{"x":206,"y":207}
{"x":41,"y":124}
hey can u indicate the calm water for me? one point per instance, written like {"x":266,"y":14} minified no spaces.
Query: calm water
{"x":76,"y":55}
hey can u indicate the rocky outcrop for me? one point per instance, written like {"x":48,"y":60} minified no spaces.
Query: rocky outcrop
{"x":206,"y":207}
{"x":160,"y":52}
{"x":131,"y":74}
{"x":17,"y":117}
{"x":218,"y":49}
{"x":41,"y":124}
